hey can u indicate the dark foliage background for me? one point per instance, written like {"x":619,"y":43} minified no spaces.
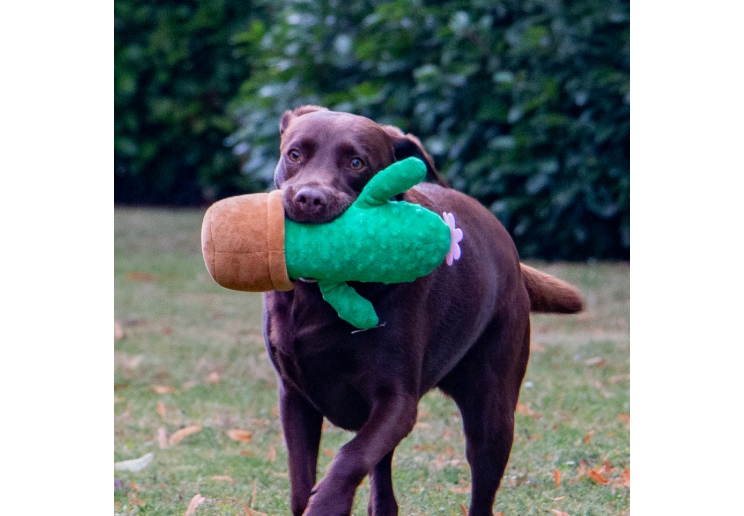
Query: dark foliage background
{"x":176,"y":68}
{"x":524,"y":105}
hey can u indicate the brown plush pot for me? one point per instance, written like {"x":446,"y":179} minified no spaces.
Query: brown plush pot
{"x":243,"y":242}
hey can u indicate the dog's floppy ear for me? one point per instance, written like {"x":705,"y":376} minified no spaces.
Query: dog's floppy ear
{"x":406,"y":146}
{"x":288,"y":116}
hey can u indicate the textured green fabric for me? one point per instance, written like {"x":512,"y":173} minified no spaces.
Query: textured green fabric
{"x":374,"y":240}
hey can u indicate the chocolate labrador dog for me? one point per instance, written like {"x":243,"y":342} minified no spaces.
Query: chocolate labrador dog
{"x":463,"y":328}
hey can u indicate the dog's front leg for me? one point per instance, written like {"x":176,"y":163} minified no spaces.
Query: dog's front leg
{"x":302,"y":428}
{"x":392,"y":418}
{"x":381,"y":496}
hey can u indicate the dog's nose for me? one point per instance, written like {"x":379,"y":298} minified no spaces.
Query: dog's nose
{"x":310,"y":200}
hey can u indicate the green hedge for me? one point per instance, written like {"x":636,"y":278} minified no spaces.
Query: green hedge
{"x":176,"y":67}
{"x":524,"y":105}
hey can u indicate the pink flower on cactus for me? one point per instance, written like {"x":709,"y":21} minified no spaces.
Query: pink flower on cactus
{"x":456,"y":235}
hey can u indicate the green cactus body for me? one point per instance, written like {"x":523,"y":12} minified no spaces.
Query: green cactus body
{"x":374,"y":240}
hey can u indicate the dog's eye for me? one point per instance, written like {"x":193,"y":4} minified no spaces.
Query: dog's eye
{"x":294,"y":156}
{"x":356,"y":164}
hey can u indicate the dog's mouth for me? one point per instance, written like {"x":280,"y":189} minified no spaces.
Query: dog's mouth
{"x":313,"y":218}
{"x":301,"y":208}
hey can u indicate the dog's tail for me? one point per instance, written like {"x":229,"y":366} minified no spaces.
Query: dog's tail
{"x":549,"y":294}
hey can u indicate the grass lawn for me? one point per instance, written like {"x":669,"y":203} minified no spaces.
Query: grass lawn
{"x":192,"y":357}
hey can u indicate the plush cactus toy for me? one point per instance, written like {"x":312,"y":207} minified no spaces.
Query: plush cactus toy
{"x":249,"y":245}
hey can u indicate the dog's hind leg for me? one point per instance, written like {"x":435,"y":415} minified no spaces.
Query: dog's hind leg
{"x":485,"y":385}
{"x":302,"y":425}
{"x":381,"y":497}
{"x":392,"y":417}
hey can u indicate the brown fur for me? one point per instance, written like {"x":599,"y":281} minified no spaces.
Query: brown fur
{"x":464,"y":329}
{"x":549,"y":294}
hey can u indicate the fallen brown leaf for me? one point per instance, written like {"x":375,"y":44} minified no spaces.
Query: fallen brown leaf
{"x":598,"y":478}
{"x":161,"y":408}
{"x":179,"y":435}
{"x":236,"y":434}
{"x":118,"y":332}
{"x":424,"y":447}
{"x":134,"y":486}
{"x":224,"y":478}
{"x":581,"y":472}
{"x":557,"y":475}
{"x":328,"y":452}
{"x":526,"y":411}
{"x":602,"y":390}
{"x":461,"y":489}
{"x":272,"y":453}
{"x":164,"y":389}
{"x":213,"y":377}
{"x":195,"y":502}
{"x":134,"y":500}
{"x":252,"y":512}
{"x":559,"y":513}
{"x":589,"y":435}
{"x":464,"y":510}
{"x":594,"y":362}
{"x":144,"y":277}
{"x":162,"y":438}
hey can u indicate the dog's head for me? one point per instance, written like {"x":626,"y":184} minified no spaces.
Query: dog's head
{"x":328,"y":157}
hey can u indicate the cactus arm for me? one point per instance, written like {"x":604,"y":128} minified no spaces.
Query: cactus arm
{"x":351,"y":307}
{"x":394,"y":180}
